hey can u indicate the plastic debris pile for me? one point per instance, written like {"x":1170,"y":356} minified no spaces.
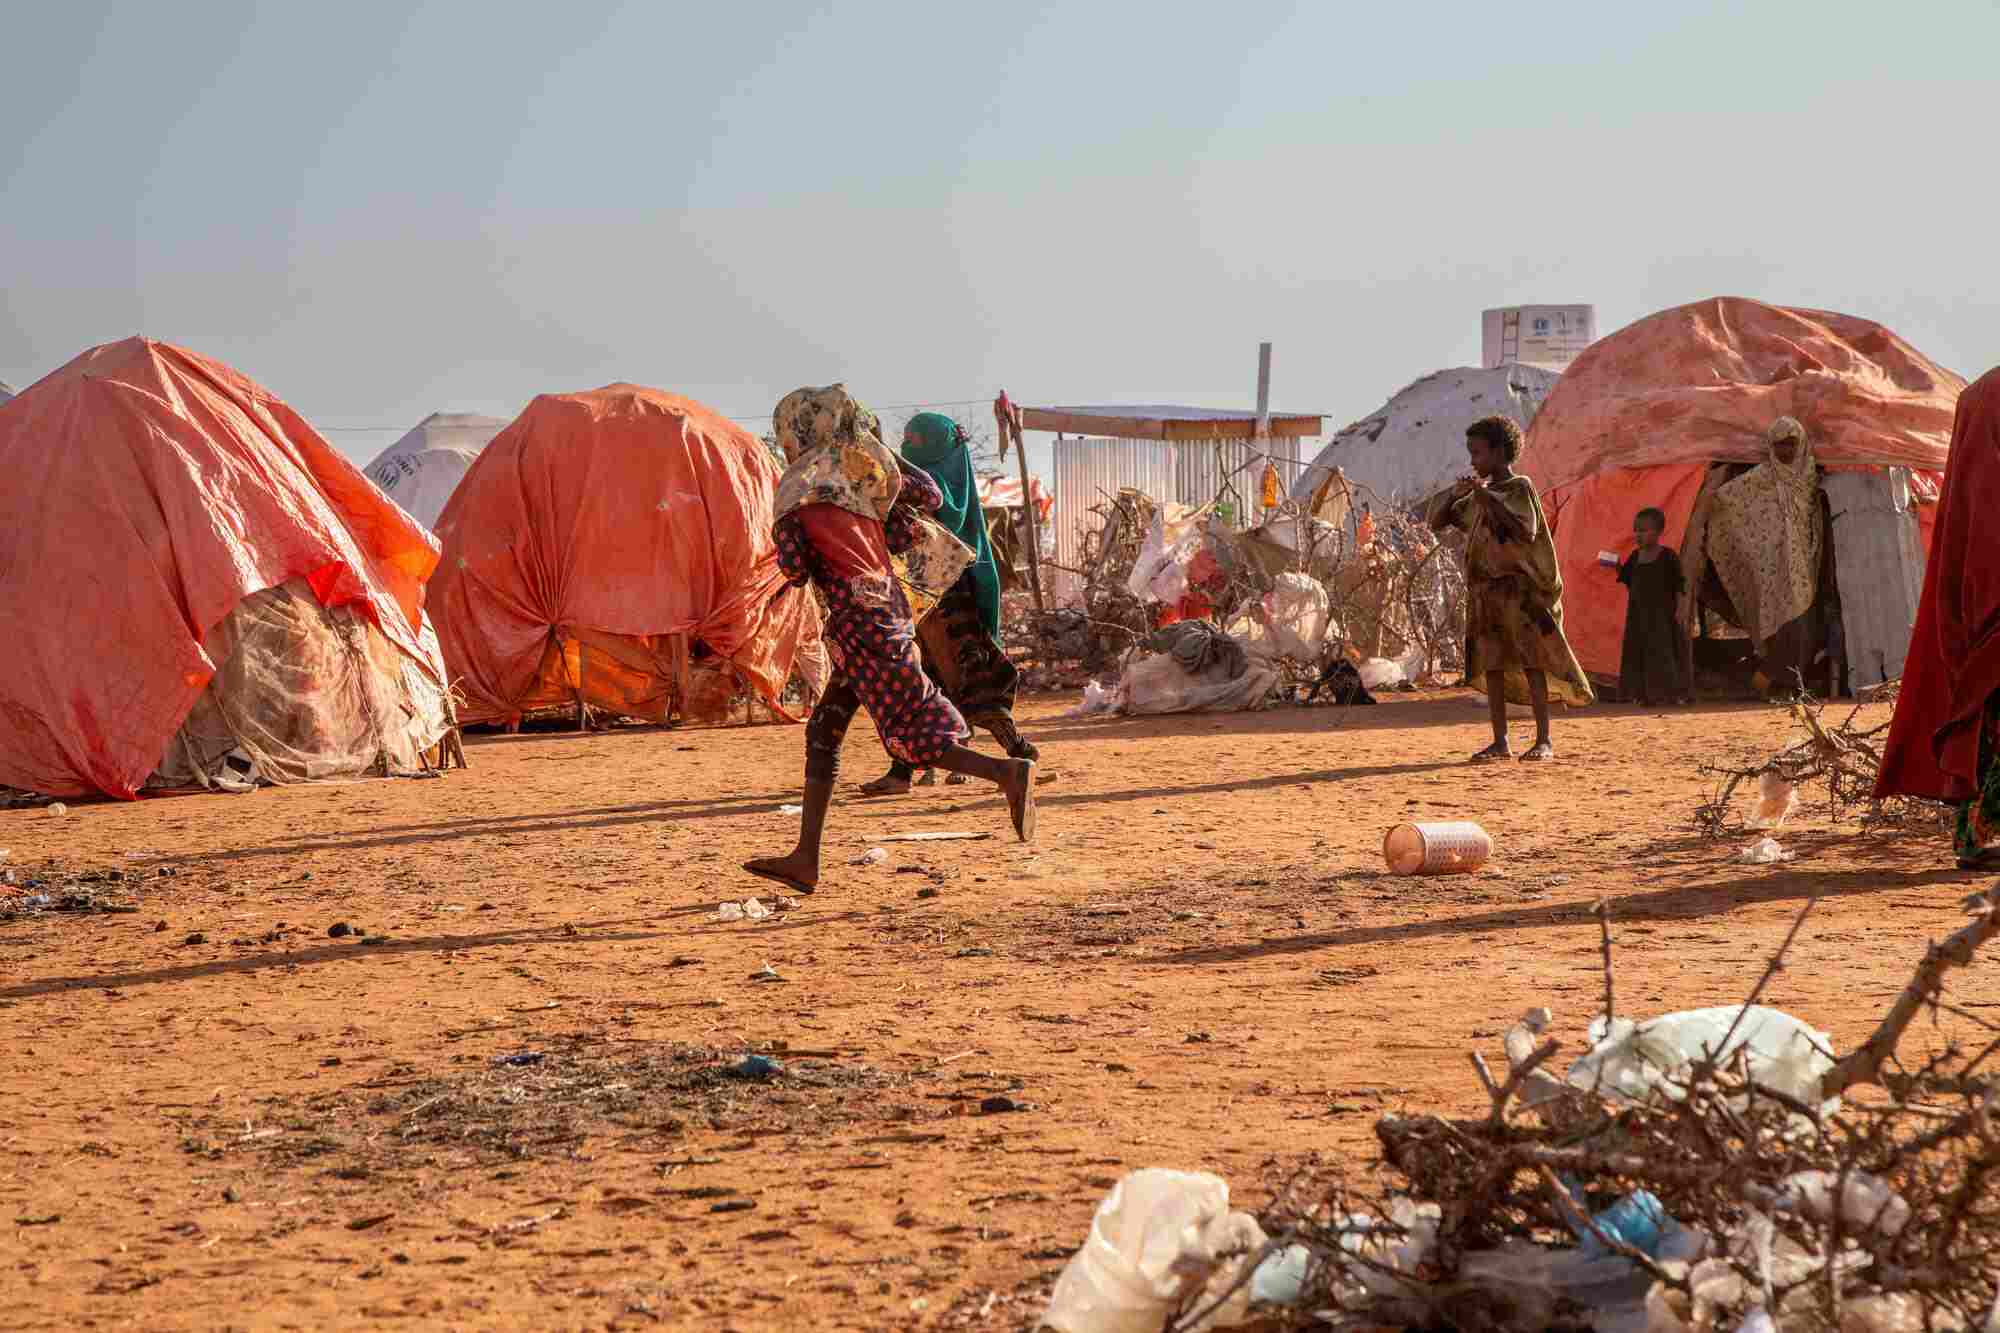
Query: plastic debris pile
{"x":1696,"y":1171}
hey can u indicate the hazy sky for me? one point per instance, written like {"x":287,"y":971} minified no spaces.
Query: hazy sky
{"x":381,"y":210}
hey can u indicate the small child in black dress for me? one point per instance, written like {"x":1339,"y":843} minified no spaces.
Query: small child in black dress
{"x":1650,"y":668}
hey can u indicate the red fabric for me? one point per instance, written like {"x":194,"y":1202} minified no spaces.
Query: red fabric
{"x":1954,"y":664}
{"x":848,"y":544}
{"x":148,"y":491}
{"x":624,"y":517}
{"x":1638,"y":418}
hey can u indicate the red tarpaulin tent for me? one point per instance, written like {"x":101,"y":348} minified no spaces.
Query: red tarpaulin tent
{"x":149,"y":492}
{"x":1638,"y":419}
{"x":615,"y":547}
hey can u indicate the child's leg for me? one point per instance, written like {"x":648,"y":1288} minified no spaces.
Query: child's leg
{"x":1496,"y":705}
{"x":799,"y":869}
{"x":1538,"y":696}
{"x":1014,"y":777}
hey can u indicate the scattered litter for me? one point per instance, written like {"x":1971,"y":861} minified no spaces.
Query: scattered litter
{"x":340,"y":930}
{"x":1161,"y":1240}
{"x":521,"y":1059}
{"x":791,"y":809}
{"x":1096,"y":700}
{"x":733,"y":1206}
{"x":748,"y":910}
{"x":1763,"y":852}
{"x":375,"y":939}
{"x":196,"y":938}
{"x":1456,"y":847}
{"x":1379,"y":673}
{"x":758,"y":1067}
{"x":58,"y":808}
{"x":766,"y":973}
{"x":1865,"y":1201}
{"x":1002,"y":1105}
{"x":874,"y":856}
{"x":1281,"y":1279}
{"x":1777,"y":800}
{"x":937,"y":837}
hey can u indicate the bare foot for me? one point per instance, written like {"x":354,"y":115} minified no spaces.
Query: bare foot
{"x":797,"y":872}
{"x":1538,"y":751}
{"x":1497,"y":750}
{"x":1019,"y":788}
{"x":886,"y":785}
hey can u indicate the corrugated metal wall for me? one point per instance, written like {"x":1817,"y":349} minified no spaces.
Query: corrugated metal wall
{"x":1089,"y":470}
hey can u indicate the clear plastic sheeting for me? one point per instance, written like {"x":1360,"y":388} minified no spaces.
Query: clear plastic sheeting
{"x":303,"y":692}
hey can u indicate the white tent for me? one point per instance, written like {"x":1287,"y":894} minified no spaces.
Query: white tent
{"x":6,"y":391}
{"x":420,"y":471}
{"x":1415,"y":444}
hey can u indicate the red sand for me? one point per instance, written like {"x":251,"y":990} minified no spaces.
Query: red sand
{"x":1201,"y":966}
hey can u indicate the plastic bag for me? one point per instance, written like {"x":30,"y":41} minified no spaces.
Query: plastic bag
{"x":1379,"y":673}
{"x":1159,"y":574}
{"x":1763,"y":852}
{"x":1638,"y":1061}
{"x":1866,"y":1202}
{"x":1158,"y":1237}
{"x":1096,"y":700}
{"x":1291,"y":621}
{"x":1776,"y":800}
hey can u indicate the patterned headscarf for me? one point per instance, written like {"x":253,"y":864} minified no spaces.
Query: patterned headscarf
{"x":1765,"y":532}
{"x":835,"y":455}
{"x":1799,"y":475}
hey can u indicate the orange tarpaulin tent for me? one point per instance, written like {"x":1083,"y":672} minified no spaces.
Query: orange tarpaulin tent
{"x":615,"y":546}
{"x":149,"y":492}
{"x":1638,"y":419}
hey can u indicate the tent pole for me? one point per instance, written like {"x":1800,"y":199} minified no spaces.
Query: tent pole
{"x":1009,"y":418}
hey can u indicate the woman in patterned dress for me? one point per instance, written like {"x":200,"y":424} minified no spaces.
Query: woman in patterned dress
{"x":1514,"y":642}
{"x":960,"y":641}
{"x":853,"y":523}
{"x":1944,"y":744}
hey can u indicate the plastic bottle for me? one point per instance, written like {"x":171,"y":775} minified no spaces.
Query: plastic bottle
{"x":1270,"y":496}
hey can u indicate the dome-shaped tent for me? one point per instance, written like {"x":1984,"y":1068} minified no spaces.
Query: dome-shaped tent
{"x":614,"y":548}
{"x":1414,"y":444}
{"x":1661,"y":412}
{"x":421,"y":470}
{"x":194,"y":585}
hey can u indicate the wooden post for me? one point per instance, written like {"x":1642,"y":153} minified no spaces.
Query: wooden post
{"x":1264,"y":392}
{"x":1009,"y":419}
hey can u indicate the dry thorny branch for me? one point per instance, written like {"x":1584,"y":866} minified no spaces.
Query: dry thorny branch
{"x":1845,"y":757}
{"x":1401,"y":589}
{"x":1899,"y":1230}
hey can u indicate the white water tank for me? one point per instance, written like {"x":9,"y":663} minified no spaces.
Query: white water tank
{"x":1536,"y":335}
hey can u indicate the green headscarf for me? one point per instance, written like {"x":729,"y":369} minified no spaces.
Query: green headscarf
{"x":935,"y":443}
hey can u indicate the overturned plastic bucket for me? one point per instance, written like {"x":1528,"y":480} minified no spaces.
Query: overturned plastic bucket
{"x":1458,"y":847}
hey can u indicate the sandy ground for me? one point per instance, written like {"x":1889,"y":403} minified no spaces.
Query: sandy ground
{"x":217,"y":1116}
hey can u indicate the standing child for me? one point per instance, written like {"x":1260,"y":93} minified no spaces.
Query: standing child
{"x":1514,"y":642}
{"x":1649,"y":670}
